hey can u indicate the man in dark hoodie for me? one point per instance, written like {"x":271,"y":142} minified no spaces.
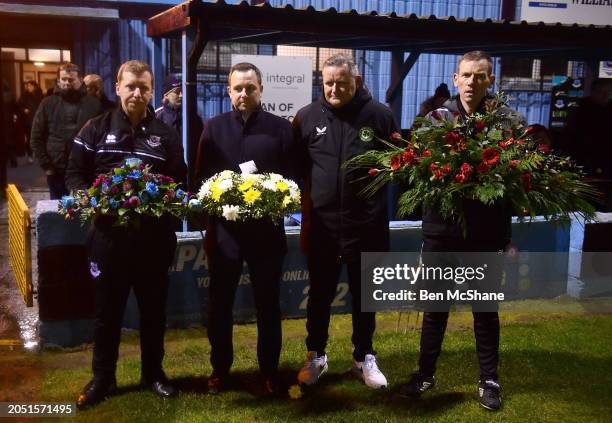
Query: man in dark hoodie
{"x":58,"y":119}
{"x":488,"y":230}
{"x":338,"y":224}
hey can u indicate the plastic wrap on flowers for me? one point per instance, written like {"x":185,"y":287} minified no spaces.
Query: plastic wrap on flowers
{"x":237,"y":197}
{"x":488,"y":157}
{"x":126,"y":193}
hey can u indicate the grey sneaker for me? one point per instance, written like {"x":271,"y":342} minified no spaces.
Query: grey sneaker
{"x":489,"y":394}
{"x":314,"y":367}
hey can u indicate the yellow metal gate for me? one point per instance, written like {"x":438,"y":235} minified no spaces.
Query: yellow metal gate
{"x":19,"y":242}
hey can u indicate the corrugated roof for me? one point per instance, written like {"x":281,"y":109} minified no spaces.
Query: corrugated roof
{"x":266,"y":24}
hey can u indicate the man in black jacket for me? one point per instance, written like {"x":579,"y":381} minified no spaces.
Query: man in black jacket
{"x":488,"y":230}
{"x":247,"y":140}
{"x":58,"y":119}
{"x":338,"y":224}
{"x":135,"y":257}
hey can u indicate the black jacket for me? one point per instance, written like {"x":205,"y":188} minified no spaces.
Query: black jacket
{"x":226,"y":142}
{"x":487,"y":225}
{"x":54,"y":126}
{"x":338,"y":218}
{"x":107,"y":140}
{"x":29,"y":101}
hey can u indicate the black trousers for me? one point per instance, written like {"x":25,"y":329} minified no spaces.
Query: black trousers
{"x":486,"y":323}
{"x":265,"y":273}
{"x":324,"y":276}
{"x":57,"y":185}
{"x":121,"y":260}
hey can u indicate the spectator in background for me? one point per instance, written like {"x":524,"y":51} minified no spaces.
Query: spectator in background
{"x":95,"y":87}
{"x":58,"y":119}
{"x":171,"y":113}
{"x":588,"y":131}
{"x":436,"y":101}
{"x":27,"y":106}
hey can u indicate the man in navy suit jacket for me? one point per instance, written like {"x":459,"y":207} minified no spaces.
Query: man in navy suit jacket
{"x":248,"y":140}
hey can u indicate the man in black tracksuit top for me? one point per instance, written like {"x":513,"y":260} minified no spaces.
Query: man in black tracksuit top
{"x":488,"y":230}
{"x":338,"y":223}
{"x":125,"y":258}
{"x":247,"y":140}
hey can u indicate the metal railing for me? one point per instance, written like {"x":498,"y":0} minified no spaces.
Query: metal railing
{"x":20,"y":252}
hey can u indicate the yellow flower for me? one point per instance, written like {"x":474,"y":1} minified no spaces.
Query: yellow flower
{"x":245,"y":186}
{"x":286,"y":201}
{"x":251,"y":196}
{"x":295,"y":392}
{"x":215,"y":191}
{"x":282,"y":186}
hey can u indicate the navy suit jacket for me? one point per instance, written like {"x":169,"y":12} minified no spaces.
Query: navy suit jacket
{"x":226,"y":142}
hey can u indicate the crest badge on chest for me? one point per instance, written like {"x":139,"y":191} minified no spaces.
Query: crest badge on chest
{"x":154,"y":141}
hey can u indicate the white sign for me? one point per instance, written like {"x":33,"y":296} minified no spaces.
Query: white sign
{"x":287,"y":82}
{"x":605,"y":69}
{"x":587,"y":12}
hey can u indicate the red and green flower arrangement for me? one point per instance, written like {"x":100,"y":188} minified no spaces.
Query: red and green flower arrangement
{"x":487,"y":157}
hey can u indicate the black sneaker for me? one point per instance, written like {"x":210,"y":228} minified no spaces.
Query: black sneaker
{"x":489,"y":393}
{"x":417,"y":385}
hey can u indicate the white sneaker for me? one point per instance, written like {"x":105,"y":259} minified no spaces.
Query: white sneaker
{"x":368,"y":371}
{"x":313,"y":368}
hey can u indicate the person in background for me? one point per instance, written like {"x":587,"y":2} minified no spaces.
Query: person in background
{"x":437,"y":100}
{"x":56,"y":122}
{"x":95,"y":87}
{"x":27,"y":106}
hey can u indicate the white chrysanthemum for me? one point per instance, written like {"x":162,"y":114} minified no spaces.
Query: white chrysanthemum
{"x":275,"y":177}
{"x":204,"y":190}
{"x":226,"y":174}
{"x":231,"y":213}
{"x":269,"y":184}
{"x":225,"y":184}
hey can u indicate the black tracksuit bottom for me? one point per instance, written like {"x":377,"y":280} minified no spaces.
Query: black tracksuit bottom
{"x":265,"y":273}
{"x":486,"y":323}
{"x":120,"y":260}
{"x":324,"y":272}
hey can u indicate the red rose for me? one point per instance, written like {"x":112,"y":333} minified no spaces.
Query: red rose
{"x":526,"y":181}
{"x":505,"y":144}
{"x":490,"y":156}
{"x":134,"y":201}
{"x":446,"y":169}
{"x":466,"y":169}
{"x":426,"y":153}
{"x":483,"y":168}
{"x":480,"y":125}
{"x":396,"y":162}
{"x":373,"y":172}
{"x":408,"y":157}
{"x":461,"y":177}
{"x":435,"y":115}
{"x":433,"y":167}
{"x":453,"y":138}
{"x":514,"y":163}
{"x":438,"y":174}
{"x":396,"y":136}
